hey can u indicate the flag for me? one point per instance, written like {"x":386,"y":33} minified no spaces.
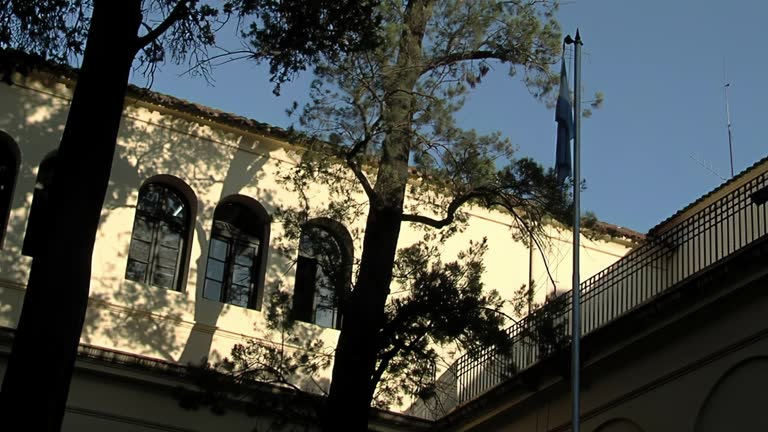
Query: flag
{"x":565,"y":133}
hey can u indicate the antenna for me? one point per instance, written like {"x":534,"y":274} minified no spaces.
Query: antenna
{"x":706,"y":165}
{"x":728,"y":115}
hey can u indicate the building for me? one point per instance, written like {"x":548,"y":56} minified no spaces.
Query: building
{"x":674,"y":335}
{"x":188,"y":252}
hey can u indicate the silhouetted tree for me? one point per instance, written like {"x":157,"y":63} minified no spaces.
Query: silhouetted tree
{"x":111,"y":35}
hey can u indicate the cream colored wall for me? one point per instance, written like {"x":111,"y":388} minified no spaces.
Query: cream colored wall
{"x":35,"y":120}
{"x":507,"y":261}
{"x":215,"y":161}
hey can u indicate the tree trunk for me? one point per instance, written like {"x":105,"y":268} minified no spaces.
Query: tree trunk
{"x":351,"y":390}
{"x":39,"y":371}
{"x":353,"y":383}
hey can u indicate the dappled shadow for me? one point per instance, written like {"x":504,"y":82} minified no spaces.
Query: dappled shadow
{"x":179,"y":326}
{"x":136,"y":318}
{"x":35,"y":122}
{"x":240,"y":173}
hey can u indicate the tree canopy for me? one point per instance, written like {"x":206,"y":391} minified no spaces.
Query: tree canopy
{"x":382,"y":125}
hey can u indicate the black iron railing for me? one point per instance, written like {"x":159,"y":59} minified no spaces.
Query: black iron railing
{"x":671,"y":256}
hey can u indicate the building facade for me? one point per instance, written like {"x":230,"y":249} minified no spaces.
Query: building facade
{"x":189,"y":251}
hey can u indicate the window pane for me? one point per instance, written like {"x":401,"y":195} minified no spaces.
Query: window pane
{"x":218,"y":249}
{"x":241,"y":275}
{"x":139,"y":250}
{"x":169,"y":236}
{"x":142,"y":229}
{"x":149,"y":199}
{"x":238,"y":295}
{"x":325,"y":289}
{"x":161,"y":202}
{"x":8,"y":165}
{"x":325,"y":301}
{"x":166,"y":257}
{"x":245,"y":256}
{"x":235,"y":238}
{"x":215,"y":270}
{"x":174,"y":207}
{"x":212,"y":290}
{"x":163,"y":277}
{"x":158,"y":238}
{"x":136,"y":271}
{"x":325,"y":317}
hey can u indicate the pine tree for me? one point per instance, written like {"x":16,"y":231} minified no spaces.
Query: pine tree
{"x":388,"y":115}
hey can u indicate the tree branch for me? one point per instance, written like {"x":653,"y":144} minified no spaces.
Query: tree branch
{"x":457,"y":57}
{"x":496,"y":311}
{"x":385,"y":359}
{"x":397,"y":347}
{"x":233,"y":56}
{"x":355,"y":150}
{"x":177,"y":12}
{"x":534,"y":238}
{"x":453,"y":207}
{"x":361,"y":178}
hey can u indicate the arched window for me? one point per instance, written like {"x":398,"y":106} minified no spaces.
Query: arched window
{"x":323,"y":272}
{"x":41,"y":205}
{"x":734,"y":402}
{"x":157,"y":254}
{"x":9,"y":169}
{"x":237,"y":252}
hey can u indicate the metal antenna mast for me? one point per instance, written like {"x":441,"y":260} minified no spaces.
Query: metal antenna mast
{"x":728,"y":115}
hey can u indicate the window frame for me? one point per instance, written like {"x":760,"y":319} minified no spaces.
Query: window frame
{"x":305,"y":299}
{"x":157,"y":223}
{"x":228,"y":231}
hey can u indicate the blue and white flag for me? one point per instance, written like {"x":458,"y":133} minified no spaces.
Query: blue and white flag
{"x":565,"y":132}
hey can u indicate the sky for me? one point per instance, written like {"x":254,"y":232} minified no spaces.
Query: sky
{"x":660,"y":140}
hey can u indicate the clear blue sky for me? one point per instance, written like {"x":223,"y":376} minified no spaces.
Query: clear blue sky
{"x":660,"y":66}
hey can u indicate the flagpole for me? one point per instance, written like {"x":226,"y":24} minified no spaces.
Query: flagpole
{"x":576,"y":294}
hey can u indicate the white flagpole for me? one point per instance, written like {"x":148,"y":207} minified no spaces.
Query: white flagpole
{"x":576,"y":294}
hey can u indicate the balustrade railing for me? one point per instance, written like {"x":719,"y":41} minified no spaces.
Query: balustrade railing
{"x":669,"y":257}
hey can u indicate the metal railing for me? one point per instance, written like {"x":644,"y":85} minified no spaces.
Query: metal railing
{"x":668,"y":258}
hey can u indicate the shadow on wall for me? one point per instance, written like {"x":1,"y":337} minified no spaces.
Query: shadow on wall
{"x":169,"y":145}
{"x":241,"y":173}
{"x":35,"y":123}
{"x":130,"y":315}
{"x":282,"y":351}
